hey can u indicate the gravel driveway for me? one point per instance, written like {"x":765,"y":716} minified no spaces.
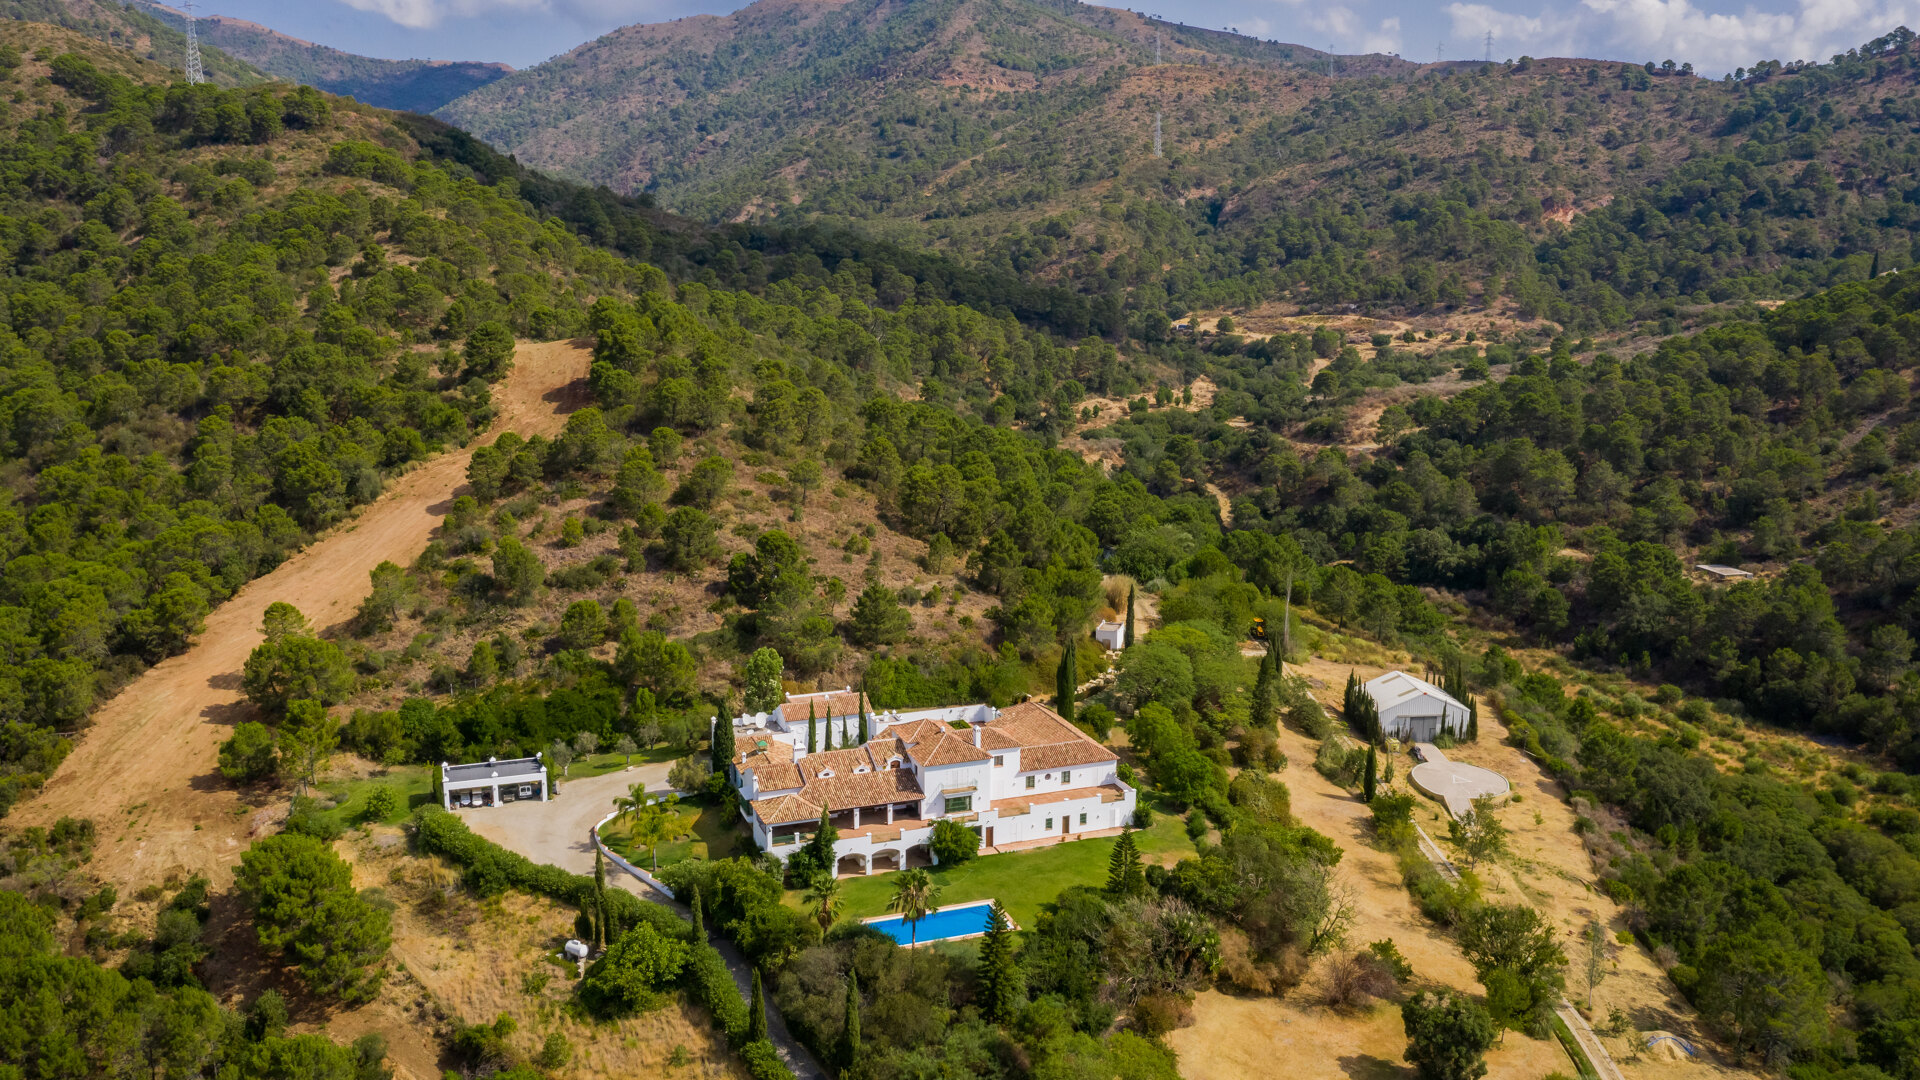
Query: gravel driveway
{"x":555,"y":831}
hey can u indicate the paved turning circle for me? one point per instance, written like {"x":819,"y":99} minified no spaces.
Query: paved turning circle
{"x":1455,"y":783}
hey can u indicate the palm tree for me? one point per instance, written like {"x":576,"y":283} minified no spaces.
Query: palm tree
{"x":823,"y":892}
{"x":914,"y":895}
{"x":650,"y":822}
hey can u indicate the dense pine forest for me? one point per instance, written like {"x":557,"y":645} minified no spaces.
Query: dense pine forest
{"x":915,"y":423}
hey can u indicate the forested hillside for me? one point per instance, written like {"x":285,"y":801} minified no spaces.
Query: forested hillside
{"x":1595,"y":193}
{"x":231,"y":314}
{"x":143,"y":33}
{"x":419,"y":86}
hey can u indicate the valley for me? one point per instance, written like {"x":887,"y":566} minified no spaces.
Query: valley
{"x":864,"y":358}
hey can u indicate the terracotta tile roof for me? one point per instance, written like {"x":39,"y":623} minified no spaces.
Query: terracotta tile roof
{"x":778,"y":776}
{"x":830,"y":703}
{"x":835,"y":779}
{"x":992,"y":738}
{"x":756,"y":750}
{"x":934,"y":743}
{"x":785,"y":809}
{"x":1045,"y":738}
{"x":843,"y":791}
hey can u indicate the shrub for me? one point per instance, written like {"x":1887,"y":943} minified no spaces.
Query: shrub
{"x":1448,"y":1035}
{"x":954,"y":843}
{"x":630,"y":976}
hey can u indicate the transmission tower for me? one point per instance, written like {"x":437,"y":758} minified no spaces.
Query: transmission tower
{"x":1156,"y":134}
{"x":1489,"y":46}
{"x":194,"y":75}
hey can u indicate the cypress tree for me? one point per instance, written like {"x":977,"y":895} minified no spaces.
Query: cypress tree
{"x":864,"y":734}
{"x":813,"y":730}
{"x":999,"y":981}
{"x":600,"y":894}
{"x":1473,"y":720}
{"x":1373,"y":775}
{"x":757,"y":1012}
{"x":719,"y":756}
{"x":1264,"y":711}
{"x":1064,"y":683}
{"x":1125,"y":875}
{"x":850,"y":1037}
{"x":1129,"y":615}
{"x":699,"y":920}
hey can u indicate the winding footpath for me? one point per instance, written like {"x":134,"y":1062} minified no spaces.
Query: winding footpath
{"x":144,"y":770}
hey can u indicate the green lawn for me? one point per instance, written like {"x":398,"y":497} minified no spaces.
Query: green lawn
{"x":709,"y":835}
{"x":412,"y":783}
{"x":1024,"y":881}
{"x":609,"y":762}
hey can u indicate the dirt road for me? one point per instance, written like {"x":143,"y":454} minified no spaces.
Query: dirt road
{"x":144,"y":770}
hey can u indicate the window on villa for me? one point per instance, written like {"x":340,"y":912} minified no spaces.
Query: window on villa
{"x":1049,"y":823}
{"x":1065,"y":776}
{"x":1030,"y":782}
{"x":999,"y":760}
{"x":959,"y":804}
{"x":1083,"y":819}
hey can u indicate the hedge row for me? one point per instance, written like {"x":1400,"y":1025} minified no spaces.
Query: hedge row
{"x":489,"y":869}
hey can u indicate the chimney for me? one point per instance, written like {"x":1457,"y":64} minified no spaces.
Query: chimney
{"x":976,"y":736}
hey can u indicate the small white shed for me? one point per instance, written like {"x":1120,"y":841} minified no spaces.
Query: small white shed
{"x":1111,"y":634}
{"x":1415,"y":710}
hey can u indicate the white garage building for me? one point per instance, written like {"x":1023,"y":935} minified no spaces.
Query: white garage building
{"x":493,"y":781}
{"x":1415,"y":710}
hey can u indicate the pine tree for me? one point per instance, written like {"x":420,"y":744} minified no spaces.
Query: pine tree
{"x":999,"y":978}
{"x":1064,"y":683}
{"x":850,"y":1035}
{"x":1125,"y":875}
{"x":1130,"y":639}
{"x":757,"y":1012}
{"x":813,"y":730}
{"x":1373,"y":775}
{"x":699,"y":920}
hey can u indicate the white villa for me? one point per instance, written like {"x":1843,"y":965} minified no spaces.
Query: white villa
{"x":1021,"y":776}
{"x":1415,"y":710}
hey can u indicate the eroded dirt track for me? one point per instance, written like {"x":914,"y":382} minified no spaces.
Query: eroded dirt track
{"x":144,"y":771}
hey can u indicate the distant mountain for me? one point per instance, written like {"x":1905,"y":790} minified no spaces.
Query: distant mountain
{"x":783,"y":99}
{"x":1020,"y":136}
{"x":142,"y":31}
{"x":409,"y":85}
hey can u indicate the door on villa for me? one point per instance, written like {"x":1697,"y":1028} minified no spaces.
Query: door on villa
{"x":1066,"y":824}
{"x":989,"y":836}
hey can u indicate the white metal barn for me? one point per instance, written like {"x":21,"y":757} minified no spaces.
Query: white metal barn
{"x":1414,"y":710}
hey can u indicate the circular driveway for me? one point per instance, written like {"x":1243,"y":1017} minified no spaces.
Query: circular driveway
{"x":1456,"y":783}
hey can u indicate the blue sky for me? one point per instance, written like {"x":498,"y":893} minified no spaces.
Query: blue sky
{"x":1714,"y":35}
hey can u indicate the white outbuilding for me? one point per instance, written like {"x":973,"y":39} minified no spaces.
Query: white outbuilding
{"x":1415,"y":710}
{"x":493,"y":781}
{"x":1112,"y":634}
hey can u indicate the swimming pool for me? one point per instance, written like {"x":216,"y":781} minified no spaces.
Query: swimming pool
{"x":945,"y":924}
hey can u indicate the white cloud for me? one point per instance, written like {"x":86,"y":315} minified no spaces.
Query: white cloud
{"x":1714,"y":42}
{"x":1384,"y":40}
{"x":425,"y":14}
{"x":1815,"y":31}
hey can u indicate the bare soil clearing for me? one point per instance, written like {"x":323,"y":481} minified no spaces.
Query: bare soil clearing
{"x":144,"y":770}
{"x":1548,"y":868}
